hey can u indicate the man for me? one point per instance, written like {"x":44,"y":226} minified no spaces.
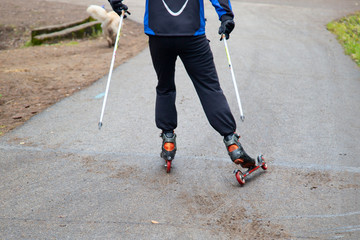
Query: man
{"x":177,"y":29}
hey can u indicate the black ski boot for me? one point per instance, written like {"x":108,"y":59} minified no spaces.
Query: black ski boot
{"x":168,"y":149}
{"x":237,"y":153}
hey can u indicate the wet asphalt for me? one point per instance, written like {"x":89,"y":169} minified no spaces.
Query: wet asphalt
{"x":63,"y":178}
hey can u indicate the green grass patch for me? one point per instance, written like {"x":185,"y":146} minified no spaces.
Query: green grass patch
{"x":72,"y":43}
{"x":66,"y":43}
{"x":28,"y":44}
{"x":347,"y":30}
{"x":1,"y":127}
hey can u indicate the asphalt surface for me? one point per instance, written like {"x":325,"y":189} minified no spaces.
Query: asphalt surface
{"x":62,"y":178}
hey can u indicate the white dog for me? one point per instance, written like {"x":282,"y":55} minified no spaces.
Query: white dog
{"x":109,"y":22}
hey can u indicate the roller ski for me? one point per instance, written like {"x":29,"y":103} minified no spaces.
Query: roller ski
{"x":240,"y":177}
{"x":168,"y":149}
{"x":239,"y":156}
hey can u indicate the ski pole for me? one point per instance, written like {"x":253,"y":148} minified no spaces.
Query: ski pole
{"x":242,"y":117}
{"x":111,"y":69}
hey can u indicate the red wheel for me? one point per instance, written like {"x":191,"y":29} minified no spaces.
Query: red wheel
{"x":240,"y":178}
{"x":264,"y":166}
{"x":168,"y":166}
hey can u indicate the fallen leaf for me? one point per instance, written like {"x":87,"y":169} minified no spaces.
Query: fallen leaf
{"x":15,"y":70}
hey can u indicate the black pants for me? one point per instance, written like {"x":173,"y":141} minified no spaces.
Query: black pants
{"x":197,"y":58}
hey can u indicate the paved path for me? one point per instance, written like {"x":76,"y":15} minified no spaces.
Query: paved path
{"x":62,"y":178}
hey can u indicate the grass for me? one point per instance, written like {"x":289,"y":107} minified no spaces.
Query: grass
{"x":72,"y":43}
{"x":95,"y":34}
{"x":28,"y":44}
{"x":66,"y":43}
{"x":2,"y":126}
{"x":347,"y":30}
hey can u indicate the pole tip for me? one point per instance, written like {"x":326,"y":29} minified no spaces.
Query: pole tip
{"x":242,"y":117}
{"x":100,"y":125}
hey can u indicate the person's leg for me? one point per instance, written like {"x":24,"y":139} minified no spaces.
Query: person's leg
{"x":198,"y":61}
{"x":164,"y":58}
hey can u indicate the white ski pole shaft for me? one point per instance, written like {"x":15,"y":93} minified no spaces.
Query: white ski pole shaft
{"x":111,"y":69}
{"x":242,"y":117}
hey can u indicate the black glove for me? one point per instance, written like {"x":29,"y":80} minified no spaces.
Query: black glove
{"x":226,"y":27}
{"x":118,"y":6}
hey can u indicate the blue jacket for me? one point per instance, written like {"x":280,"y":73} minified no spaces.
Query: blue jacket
{"x":181,"y":17}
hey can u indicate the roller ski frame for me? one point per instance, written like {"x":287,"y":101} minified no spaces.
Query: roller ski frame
{"x":240,"y":177}
{"x":168,"y":156}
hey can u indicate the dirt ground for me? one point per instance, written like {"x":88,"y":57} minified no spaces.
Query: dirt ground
{"x":34,"y":78}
